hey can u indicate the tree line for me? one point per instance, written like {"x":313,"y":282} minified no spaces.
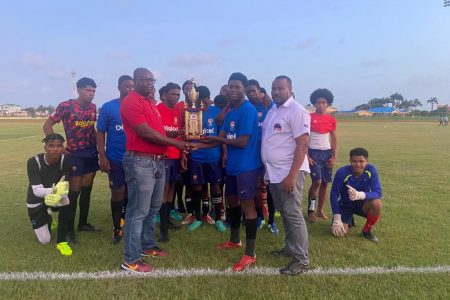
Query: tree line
{"x":398,"y":101}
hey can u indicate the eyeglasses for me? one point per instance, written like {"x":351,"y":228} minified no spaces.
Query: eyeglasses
{"x":150,"y":80}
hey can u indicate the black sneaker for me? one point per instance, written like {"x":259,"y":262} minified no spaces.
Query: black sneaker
{"x":72,"y":237}
{"x":370,"y":236}
{"x":117,"y":236}
{"x":173,"y":226}
{"x":88,"y":228}
{"x":280,"y":253}
{"x":295,"y":267}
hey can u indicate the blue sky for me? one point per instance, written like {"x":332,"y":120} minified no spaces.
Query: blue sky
{"x":358,"y":49}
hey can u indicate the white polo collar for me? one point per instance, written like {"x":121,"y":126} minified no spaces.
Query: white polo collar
{"x":287,"y":103}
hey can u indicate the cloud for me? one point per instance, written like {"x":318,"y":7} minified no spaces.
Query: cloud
{"x":306,"y":43}
{"x":34,"y":60}
{"x":118,"y":55}
{"x":372,"y":63}
{"x":189,"y":60}
{"x":230,"y":42}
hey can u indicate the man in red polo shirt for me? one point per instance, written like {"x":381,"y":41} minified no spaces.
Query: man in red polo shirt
{"x":144,"y":168}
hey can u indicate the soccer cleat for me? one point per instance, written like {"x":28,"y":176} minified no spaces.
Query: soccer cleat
{"x":72,"y":237}
{"x":64,"y":249}
{"x":260,"y":223}
{"x":136,"y":267}
{"x":154,"y":252}
{"x":157,"y":218}
{"x":195,"y":225}
{"x":244,"y":263}
{"x":88,"y":228}
{"x":220,"y":226}
{"x":208,"y":220}
{"x":370,"y":236}
{"x":117,"y":236}
{"x":273,"y":229}
{"x":175,"y":215}
{"x":229,"y":245}
{"x":188,"y":220}
{"x":295,"y":267}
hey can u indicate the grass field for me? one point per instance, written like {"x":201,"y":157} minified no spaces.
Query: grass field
{"x":413,"y":162}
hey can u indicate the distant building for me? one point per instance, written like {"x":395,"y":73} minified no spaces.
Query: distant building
{"x":12,"y":110}
{"x":386,"y":111}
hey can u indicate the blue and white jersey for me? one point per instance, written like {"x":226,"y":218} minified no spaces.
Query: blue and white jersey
{"x":210,"y":128}
{"x":242,"y":121}
{"x":109,"y":122}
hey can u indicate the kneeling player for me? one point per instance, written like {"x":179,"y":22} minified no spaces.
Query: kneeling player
{"x":48,"y":188}
{"x":356,"y":190}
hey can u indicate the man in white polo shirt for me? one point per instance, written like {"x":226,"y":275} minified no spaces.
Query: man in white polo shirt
{"x":285,"y":138}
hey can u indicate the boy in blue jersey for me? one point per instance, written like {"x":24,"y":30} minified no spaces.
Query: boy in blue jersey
{"x":356,"y":190}
{"x":240,"y":134}
{"x":109,"y":125}
{"x":205,"y":164}
{"x":263,"y":196}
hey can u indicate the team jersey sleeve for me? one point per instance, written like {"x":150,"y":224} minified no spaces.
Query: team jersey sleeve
{"x":33,"y":172}
{"x":338,"y":181}
{"x":132,"y":112}
{"x":57,"y":116}
{"x":248,"y":121}
{"x":102,"y":122}
{"x":375,"y":186}
{"x":300,"y":123}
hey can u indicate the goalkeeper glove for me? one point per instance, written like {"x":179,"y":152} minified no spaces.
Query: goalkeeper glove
{"x":62,"y":187}
{"x":337,"y":227}
{"x":353,"y":194}
{"x":52,"y":199}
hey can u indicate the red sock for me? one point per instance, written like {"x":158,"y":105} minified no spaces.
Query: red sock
{"x":370,"y":222}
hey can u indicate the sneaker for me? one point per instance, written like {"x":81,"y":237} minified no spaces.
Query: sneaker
{"x":220,"y":226}
{"x":64,"y":249}
{"x":273,"y":229}
{"x":229,"y":245}
{"x":117,"y":236}
{"x":280,"y":253}
{"x":295,"y":267}
{"x":154,"y":252}
{"x":370,"y":236}
{"x":208,"y":220}
{"x":260,"y":223}
{"x":173,"y":226}
{"x":175,"y":215}
{"x":188,"y":220}
{"x":244,"y":263}
{"x":88,"y":228}
{"x":136,"y":267}
{"x":195,"y":225}
{"x":72,"y":237}
{"x":157,"y":218}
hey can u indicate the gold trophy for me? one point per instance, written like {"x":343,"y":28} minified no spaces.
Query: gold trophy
{"x":193,"y":116}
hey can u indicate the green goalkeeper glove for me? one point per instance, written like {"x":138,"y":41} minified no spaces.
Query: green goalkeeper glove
{"x":62,"y":187}
{"x":52,"y":199}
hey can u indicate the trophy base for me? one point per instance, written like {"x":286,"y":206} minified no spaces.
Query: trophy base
{"x":193,"y":137}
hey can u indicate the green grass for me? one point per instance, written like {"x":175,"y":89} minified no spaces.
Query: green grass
{"x":413,"y":163}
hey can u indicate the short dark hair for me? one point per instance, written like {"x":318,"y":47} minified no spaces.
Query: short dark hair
{"x":53,"y":137}
{"x":359,"y":152}
{"x":162,"y":91}
{"x":286,"y":78}
{"x":220,"y":101}
{"x":255,"y":83}
{"x":321,"y":93}
{"x":171,"y":86}
{"x":84,"y":82}
{"x":186,"y":83}
{"x":124,"y":78}
{"x":203,"y":92}
{"x":239,"y":76}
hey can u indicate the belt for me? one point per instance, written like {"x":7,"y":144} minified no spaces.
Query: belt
{"x":147,"y":155}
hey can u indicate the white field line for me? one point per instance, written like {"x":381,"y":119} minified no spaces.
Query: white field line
{"x":19,"y":138}
{"x":171,"y":273}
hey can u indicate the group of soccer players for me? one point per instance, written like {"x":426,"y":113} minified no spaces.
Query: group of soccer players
{"x":226,"y":160}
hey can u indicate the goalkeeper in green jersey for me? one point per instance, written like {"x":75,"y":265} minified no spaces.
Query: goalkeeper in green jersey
{"x":48,"y":187}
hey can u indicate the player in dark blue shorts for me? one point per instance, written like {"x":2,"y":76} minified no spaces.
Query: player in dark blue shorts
{"x":78,"y":117}
{"x":109,"y":124}
{"x":356,"y":190}
{"x":240,"y":134}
